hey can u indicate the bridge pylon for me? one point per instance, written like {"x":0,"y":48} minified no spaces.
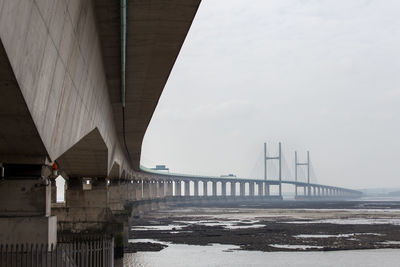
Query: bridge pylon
{"x":279,"y":158}
{"x":308,"y":172}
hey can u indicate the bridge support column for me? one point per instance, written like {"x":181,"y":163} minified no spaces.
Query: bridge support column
{"x":53,"y":190}
{"x":171,"y":188}
{"x":196,"y":188}
{"x":153,"y":189}
{"x":251,"y":189}
{"x":214,"y":188}
{"x":233,"y":189}
{"x":319,"y":191}
{"x":260,"y":189}
{"x":87,"y":211}
{"x":242,"y":189}
{"x":25,"y":206}
{"x":146,"y":189}
{"x":161,"y":189}
{"x":117,"y":195}
{"x":134,"y":188}
{"x":166,"y":188}
{"x":267,"y":190}
{"x":305,"y":190}
{"x":87,"y":207}
{"x":138,"y":189}
{"x":314,"y":191}
{"x":178,"y":188}
{"x":130,"y":191}
{"x":187,"y":188}
{"x":205,"y":188}
{"x":223,"y":188}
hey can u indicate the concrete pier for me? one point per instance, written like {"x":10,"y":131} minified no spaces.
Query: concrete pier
{"x":196,"y":188}
{"x":242,"y":189}
{"x":25,"y":205}
{"x":260,"y":189}
{"x":267,"y":190}
{"x":214,"y":188}
{"x":223,"y":188}
{"x":205,"y":188}
{"x":251,"y":189}
{"x":178,"y":188}
{"x":187,"y":188}
{"x":233,"y":189}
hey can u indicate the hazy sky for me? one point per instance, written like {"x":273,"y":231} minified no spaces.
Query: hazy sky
{"x":316,"y":75}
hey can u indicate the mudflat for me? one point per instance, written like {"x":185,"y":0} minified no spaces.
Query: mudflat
{"x":279,"y":226}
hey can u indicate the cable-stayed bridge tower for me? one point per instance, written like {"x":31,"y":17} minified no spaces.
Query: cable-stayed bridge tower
{"x":308,"y":172}
{"x":279,"y":158}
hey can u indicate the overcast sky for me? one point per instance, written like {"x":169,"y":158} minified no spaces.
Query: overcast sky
{"x":316,"y":75}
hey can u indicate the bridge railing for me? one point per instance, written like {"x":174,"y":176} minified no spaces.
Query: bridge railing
{"x":98,"y":252}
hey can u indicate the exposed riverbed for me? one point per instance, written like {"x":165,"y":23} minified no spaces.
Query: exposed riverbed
{"x":261,"y":229}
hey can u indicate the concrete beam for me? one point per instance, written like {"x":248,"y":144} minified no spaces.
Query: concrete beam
{"x":155,"y":33}
{"x":87,"y":158}
{"x":20,"y":141}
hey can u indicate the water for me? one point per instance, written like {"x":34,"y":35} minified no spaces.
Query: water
{"x":352,"y":221}
{"x":216,"y":255}
{"x":340,"y":235}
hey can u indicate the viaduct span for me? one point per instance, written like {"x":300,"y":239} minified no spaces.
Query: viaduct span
{"x":79,"y":82}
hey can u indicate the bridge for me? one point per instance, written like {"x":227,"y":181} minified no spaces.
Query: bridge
{"x":234,"y":188}
{"x":79,"y":82}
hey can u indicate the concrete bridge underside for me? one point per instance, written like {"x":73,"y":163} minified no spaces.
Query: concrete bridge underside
{"x":60,"y":102}
{"x":60,"y":95}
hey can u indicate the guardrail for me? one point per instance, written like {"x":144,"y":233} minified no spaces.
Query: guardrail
{"x":95,"y":252}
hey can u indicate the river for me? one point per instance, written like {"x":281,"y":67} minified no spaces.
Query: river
{"x":180,"y":255}
{"x":371,"y":225}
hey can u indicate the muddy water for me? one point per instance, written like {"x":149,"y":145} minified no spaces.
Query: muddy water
{"x":179,"y":253}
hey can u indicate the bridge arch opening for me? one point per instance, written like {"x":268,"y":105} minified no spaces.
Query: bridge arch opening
{"x":201,"y":190}
{"x":219,"y":188}
{"x":191,"y":188}
{"x":173,"y":188}
{"x":237,"y":189}
{"x":209,"y":188}
{"x":60,"y":187}
{"x":228,"y":188}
